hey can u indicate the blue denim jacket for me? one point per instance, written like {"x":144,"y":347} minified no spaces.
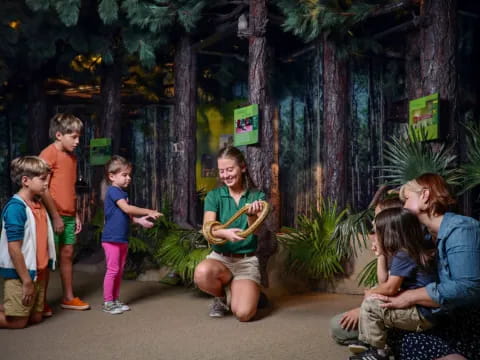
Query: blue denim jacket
{"x":458,"y":263}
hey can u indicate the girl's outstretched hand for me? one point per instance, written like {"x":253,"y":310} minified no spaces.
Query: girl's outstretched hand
{"x":255,"y":208}
{"x":154,"y":214}
{"x":144,"y":221}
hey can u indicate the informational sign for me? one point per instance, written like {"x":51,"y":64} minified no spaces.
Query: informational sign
{"x":423,"y":113}
{"x":100,"y":151}
{"x":246,"y":124}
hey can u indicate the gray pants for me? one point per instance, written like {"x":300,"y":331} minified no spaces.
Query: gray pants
{"x":339,"y":334}
{"x":374,"y":321}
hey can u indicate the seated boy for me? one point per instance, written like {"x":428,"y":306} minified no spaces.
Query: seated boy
{"x":26,"y":245}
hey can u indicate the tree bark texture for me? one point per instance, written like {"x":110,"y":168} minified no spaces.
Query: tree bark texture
{"x":438,"y":60}
{"x":184,"y":207}
{"x":38,"y":120}
{"x":413,"y":82}
{"x":262,"y":164}
{"x":150,"y":149}
{"x":336,"y":104}
{"x":111,"y":103}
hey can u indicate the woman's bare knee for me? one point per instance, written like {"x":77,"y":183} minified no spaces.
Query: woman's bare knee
{"x":245,"y":315}
{"x":452,"y":357}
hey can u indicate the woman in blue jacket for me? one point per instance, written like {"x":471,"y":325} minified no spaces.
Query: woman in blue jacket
{"x":455,"y":297}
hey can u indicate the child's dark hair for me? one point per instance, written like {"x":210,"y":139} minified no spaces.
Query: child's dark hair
{"x":116,"y":164}
{"x":390,"y":202}
{"x":64,"y":124}
{"x":231,"y":152}
{"x":29,"y":166}
{"x":399,"y":229}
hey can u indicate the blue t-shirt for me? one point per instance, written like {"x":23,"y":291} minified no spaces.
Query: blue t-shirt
{"x":14,"y":217}
{"x":414,"y":277}
{"x":116,"y":221}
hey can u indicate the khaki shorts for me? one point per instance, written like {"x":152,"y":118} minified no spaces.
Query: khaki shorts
{"x":243,"y":268}
{"x":12,"y":298}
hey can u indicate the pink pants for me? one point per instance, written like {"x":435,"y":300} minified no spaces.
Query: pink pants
{"x":115,"y":258}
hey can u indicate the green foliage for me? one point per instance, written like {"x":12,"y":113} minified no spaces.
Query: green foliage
{"x":67,"y":10}
{"x":157,"y":16}
{"x":182,"y":251}
{"x":108,"y":11}
{"x":351,"y":233}
{"x":471,"y":169}
{"x":310,"y":19}
{"x":368,"y":275}
{"x":412,"y":156}
{"x":97,"y":221}
{"x":167,"y":244}
{"x":311,"y":249}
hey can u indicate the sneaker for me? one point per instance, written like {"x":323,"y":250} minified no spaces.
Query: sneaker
{"x":47,"y":311}
{"x":111,"y":308}
{"x":371,"y":354}
{"x":358,"y":347}
{"x":75,"y":304}
{"x":218,"y":308}
{"x":228,"y":295}
{"x":121,"y":305}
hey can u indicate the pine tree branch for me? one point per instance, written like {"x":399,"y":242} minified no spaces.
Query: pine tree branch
{"x":229,"y":2}
{"x":415,"y":22}
{"x":383,"y":10}
{"x":220,"y":33}
{"x":231,"y":55}
{"x":289,"y":58}
{"x":233,"y":14}
{"x":276,"y":19}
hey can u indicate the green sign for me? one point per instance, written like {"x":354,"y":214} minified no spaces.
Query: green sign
{"x":423,"y":113}
{"x":100,"y":151}
{"x":245,"y":126}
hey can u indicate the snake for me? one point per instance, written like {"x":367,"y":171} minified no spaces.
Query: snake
{"x":209,"y":226}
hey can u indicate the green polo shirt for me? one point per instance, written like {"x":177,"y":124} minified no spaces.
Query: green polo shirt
{"x":220,"y":202}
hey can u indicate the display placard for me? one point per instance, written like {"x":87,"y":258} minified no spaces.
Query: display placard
{"x":424,"y":113}
{"x":246,"y":124}
{"x":100,"y":151}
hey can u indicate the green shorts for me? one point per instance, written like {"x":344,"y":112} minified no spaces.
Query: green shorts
{"x":67,"y":237}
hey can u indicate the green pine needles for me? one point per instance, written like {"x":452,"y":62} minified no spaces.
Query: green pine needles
{"x":308,"y":19}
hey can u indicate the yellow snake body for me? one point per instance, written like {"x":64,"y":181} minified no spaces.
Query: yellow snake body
{"x":210,"y":225}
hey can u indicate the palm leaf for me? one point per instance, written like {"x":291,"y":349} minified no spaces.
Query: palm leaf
{"x":351,"y":233}
{"x":472,"y":167}
{"x":183,"y":250}
{"x":411,"y":156}
{"x":368,"y":276}
{"x":311,"y":250}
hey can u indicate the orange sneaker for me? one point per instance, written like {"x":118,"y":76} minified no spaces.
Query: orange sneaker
{"x":75,"y":304}
{"x":47,"y":311}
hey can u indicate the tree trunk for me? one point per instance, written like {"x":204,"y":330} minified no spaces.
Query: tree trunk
{"x":38,"y":122}
{"x":111,"y":104}
{"x":185,"y":148}
{"x":439,"y":72}
{"x":262,"y":159}
{"x":109,"y":125}
{"x":437,"y":59}
{"x":413,"y":83}
{"x":335,"y":118}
